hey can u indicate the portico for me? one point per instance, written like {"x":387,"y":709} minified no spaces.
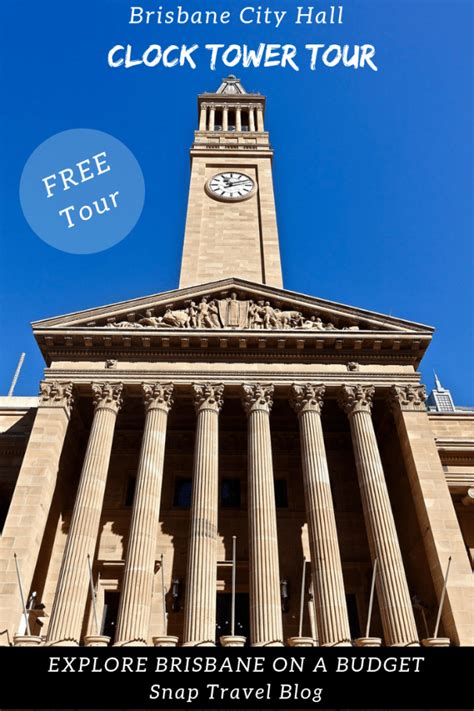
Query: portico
{"x":208,"y":536}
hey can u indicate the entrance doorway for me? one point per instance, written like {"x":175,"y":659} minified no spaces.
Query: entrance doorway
{"x":224,"y":614}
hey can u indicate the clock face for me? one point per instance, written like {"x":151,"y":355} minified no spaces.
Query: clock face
{"x":230,"y":186}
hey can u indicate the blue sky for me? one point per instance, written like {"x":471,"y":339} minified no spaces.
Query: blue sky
{"x":373,"y":171}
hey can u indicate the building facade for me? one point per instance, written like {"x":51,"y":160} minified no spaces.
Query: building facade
{"x":229,"y":415}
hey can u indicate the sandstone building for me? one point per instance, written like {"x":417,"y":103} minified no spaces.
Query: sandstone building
{"x":231,"y":407}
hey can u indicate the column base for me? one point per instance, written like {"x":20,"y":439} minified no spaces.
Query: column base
{"x":406,"y":644}
{"x":436,"y":642}
{"x":96,"y":640}
{"x":342,"y":643}
{"x":205,"y":643}
{"x":62,"y":643}
{"x":27,"y":640}
{"x":165,"y":640}
{"x":131,"y":643}
{"x":232,"y":640}
{"x":368,"y":642}
{"x":275,"y":643}
{"x":300,"y":642}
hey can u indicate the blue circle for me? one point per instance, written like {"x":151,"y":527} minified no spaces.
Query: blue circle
{"x":82,"y":191}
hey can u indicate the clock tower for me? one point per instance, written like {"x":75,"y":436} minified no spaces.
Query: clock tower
{"x":231,"y":228}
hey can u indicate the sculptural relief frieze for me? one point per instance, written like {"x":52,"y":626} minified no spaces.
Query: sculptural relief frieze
{"x":231,"y":312}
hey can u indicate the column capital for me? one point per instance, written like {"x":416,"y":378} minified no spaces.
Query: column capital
{"x":208,"y":396}
{"x":408,"y":398}
{"x":356,"y":398}
{"x":107,"y":396}
{"x":307,"y":398}
{"x":56,"y":394}
{"x":158,"y":396}
{"x":257,"y":397}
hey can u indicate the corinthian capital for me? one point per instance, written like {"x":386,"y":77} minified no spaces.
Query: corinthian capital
{"x":257,"y":397}
{"x":307,"y":398}
{"x":208,"y":396}
{"x":56,"y":394}
{"x":107,"y":396}
{"x":356,"y":398}
{"x":408,"y":397}
{"x":158,"y":396}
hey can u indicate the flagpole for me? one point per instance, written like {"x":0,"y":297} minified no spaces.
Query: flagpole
{"x":371,"y":600}
{"x":441,"y":602}
{"x":303,"y":578}
{"x":234,"y":563}
{"x":25,"y":613}
{"x":163,"y":593}
{"x":16,"y":375}
{"x":93,"y":594}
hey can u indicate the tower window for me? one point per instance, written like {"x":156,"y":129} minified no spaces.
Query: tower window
{"x":230,"y":493}
{"x":231,"y":120}
{"x":218,"y":120}
{"x":245,"y":119}
{"x":281,"y":494}
{"x":182,"y":493}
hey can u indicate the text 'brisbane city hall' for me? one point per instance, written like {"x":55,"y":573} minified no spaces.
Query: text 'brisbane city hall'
{"x":230,"y":462}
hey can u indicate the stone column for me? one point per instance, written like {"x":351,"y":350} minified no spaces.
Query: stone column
{"x":238,"y":118}
{"x":260,"y":126}
{"x":137,"y":587}
{"x":251,"y":119}
{"x":265,"y":603}
{"x":212,"y":117}
{"x":225,"y":118}
{"x":200,"y":601}
{"x":202,"y":117}
{"x":31,"y":502}
{"x":326,"y":568}
{"x":73,"y":584}
{"x":442,"y":536}
{"x":392,"y":589}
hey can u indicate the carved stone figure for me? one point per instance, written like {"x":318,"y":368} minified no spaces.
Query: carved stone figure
{"x":288,"y":319}
{"x":208,"y":315}
{"x":233,"y":312}
{"x":150,"y":320}
{"x":254,"y":318}
{"x":230,"y":312}
{"x":193,"y":313}
{"x":180,"y":318}
{"x":123,"y":324}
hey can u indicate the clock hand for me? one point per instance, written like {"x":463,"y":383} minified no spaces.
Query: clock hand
{"x":239,"y":182}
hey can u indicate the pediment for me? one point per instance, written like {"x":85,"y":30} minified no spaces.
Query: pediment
{"x":231,"y":305}
{"x":231,"y":319}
